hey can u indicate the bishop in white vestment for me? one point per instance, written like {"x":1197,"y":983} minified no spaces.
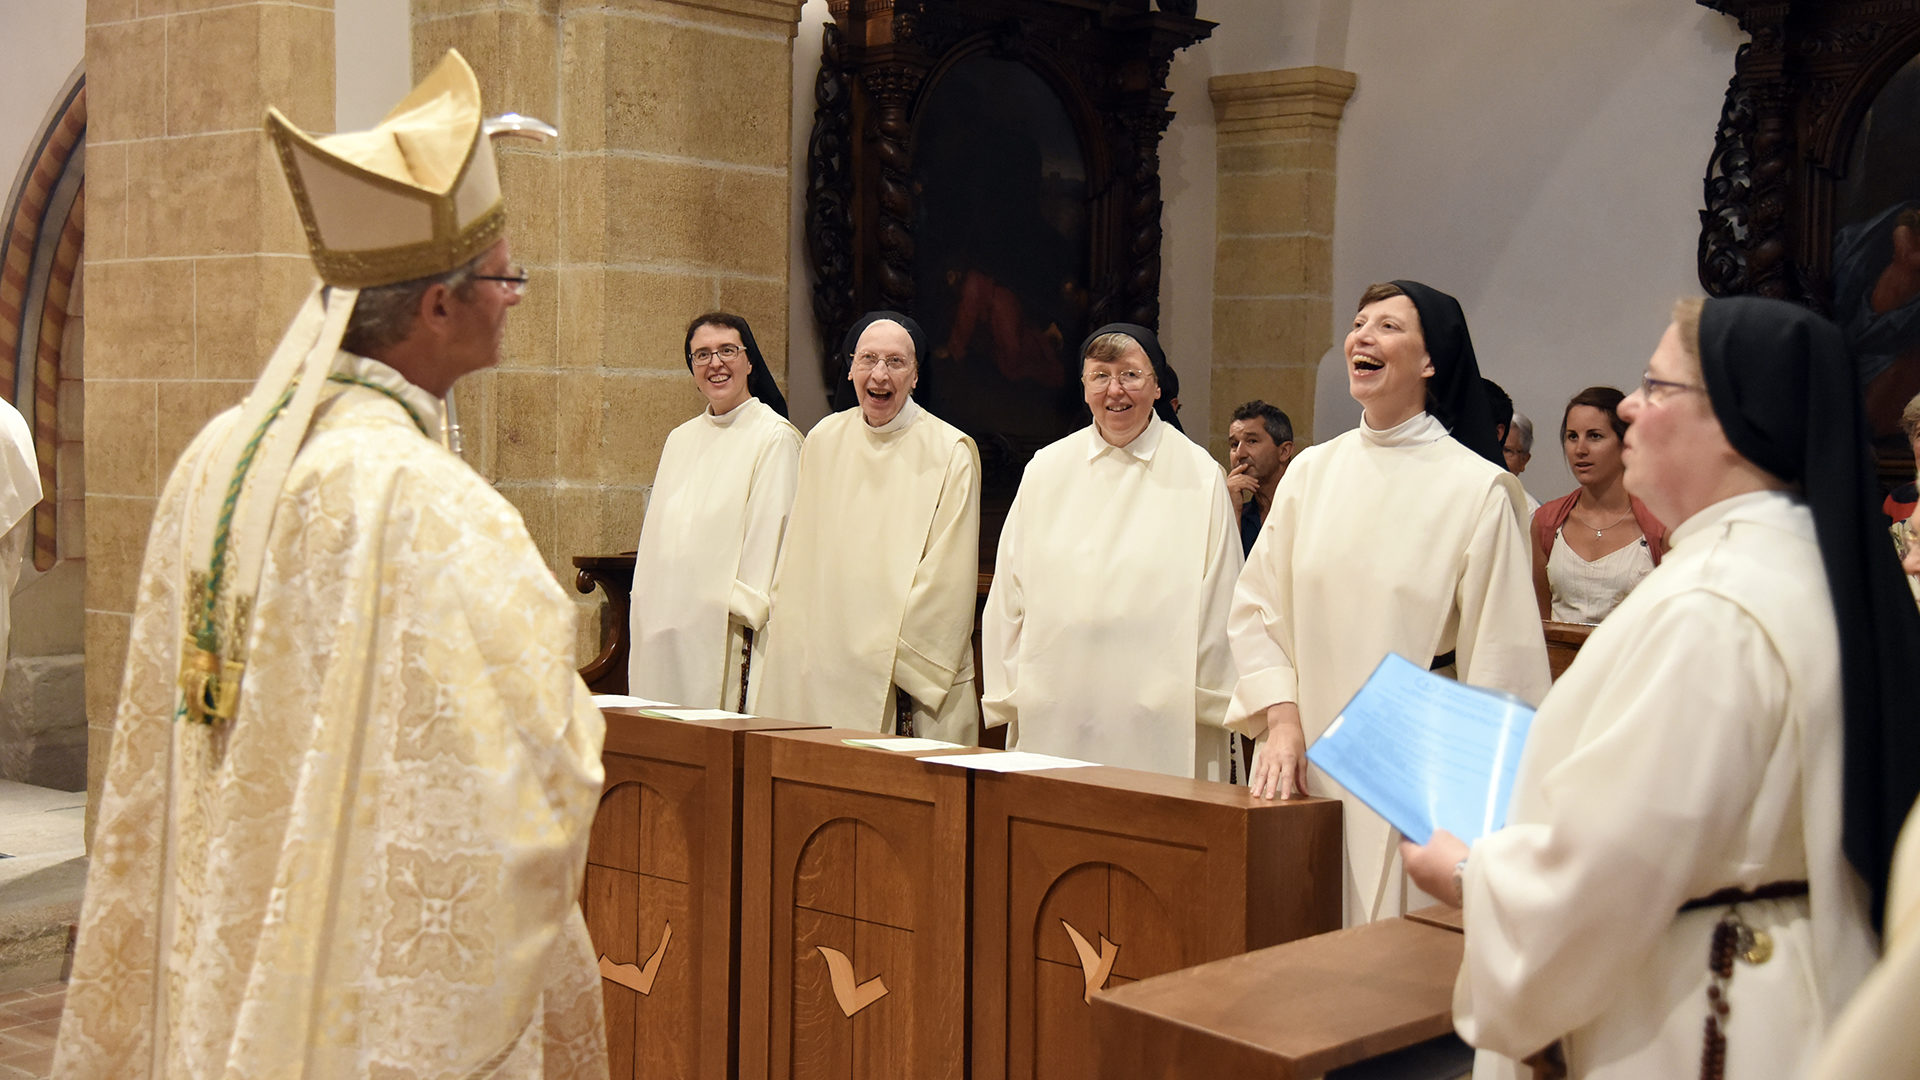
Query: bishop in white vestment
{"x":1105,"y":633}
{"x":715,"y":520}
{"x":344,"y":824}
{"x":1393,"y":537}
{"x":879,"y":575}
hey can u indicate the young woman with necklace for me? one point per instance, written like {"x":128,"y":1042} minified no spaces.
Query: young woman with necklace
{"x":1594,"y":544}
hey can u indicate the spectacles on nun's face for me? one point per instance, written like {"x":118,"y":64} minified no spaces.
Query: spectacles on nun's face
{"x":1131,"y":379}
{"x":866,"y":361}
{"x":514,"y":279}
{"x":1658,"y":390}
{"x":726,"y":354}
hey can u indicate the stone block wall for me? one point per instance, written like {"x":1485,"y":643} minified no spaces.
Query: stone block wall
{"x":666,"y":195}
{"x":194,"y":260}
{"x":43,"y":717}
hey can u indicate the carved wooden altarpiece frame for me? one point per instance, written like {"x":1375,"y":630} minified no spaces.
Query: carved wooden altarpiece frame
{"x":1107,"y":62}
{"x":1795,"y":108}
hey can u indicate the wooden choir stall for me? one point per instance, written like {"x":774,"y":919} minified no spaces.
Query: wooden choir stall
{"x":1088,"y":878}
{"x":772,"y":902}
{"x":854,"y":911}
{"x":661,"y":892}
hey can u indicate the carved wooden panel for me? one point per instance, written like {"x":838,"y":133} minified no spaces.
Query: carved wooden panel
{"x":662,"y":874}
{"x":1804,"y":195}
{"x":1799,"y":90}
{"x":1088,"y":879}
{"x":854,"y":912}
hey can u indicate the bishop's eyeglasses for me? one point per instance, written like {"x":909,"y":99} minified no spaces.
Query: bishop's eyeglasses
{"x":515,"y":279}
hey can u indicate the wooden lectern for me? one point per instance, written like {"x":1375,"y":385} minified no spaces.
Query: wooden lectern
{"x":1292,"y":1012}
{"x":853,"y":933}
{"x":661,"y":892}
{"x":1096,"y":877}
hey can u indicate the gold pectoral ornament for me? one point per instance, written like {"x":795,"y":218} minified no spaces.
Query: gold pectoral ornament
{"x":209,"y":685}
{"x":210,"y":675}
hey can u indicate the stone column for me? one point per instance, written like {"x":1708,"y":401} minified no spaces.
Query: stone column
{"x":194,"y":261}
{"x":666,"y":196}
{"x":1273,"y":264}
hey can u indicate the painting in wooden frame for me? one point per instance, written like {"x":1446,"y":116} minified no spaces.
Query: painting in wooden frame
{"x":1808,"y":195}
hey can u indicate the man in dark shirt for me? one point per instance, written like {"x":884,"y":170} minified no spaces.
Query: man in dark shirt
{"x":1259,"y":445}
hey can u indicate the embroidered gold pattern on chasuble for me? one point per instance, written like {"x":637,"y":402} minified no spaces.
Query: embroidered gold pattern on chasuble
{"x":372,"y":870}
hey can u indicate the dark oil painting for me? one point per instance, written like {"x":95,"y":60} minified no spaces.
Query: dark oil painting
{"x":1876,"y":257}
{"x":1000,"y":261}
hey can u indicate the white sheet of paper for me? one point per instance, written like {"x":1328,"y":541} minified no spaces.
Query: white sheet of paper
{"x":1426,"y":752}
{"x":622,"y":701}
{"x":902,"y":744}
{"x":1010,"y":761}
{"x":674,"y":712}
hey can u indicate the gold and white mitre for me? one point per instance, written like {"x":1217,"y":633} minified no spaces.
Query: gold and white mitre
{"x":414,"y":197}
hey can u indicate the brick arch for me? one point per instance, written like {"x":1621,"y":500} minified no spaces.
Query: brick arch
{"x":40,"y":247}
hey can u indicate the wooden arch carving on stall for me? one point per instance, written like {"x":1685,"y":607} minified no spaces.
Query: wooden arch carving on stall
{"x":1000,"y":327}
{"x":1804,"y":191}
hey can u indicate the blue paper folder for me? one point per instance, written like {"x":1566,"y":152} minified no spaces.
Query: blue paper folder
{"x":1426,"y":752}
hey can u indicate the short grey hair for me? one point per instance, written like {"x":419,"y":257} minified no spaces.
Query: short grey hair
{"x":1109,"y":346}
{"x":1523,"y":427}
{"x":383,"y":316}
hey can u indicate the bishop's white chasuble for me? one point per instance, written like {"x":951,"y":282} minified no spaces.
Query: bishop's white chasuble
{"x":1383,"y":541}
{"x":1105,"y":634}
{"x":373,"y":869}
{"x":878,"y":579}
{"x":1694,"y":745}
{"x":707,"y":550}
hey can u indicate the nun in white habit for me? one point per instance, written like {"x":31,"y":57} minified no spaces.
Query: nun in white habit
{"x":1105,"y":632}
{"x":715,"y":522}
{"x":1401,"y":536}
{"x":1706,"y":809}
{"x":873,"y":599}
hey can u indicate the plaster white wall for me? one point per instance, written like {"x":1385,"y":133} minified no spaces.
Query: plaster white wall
{"x":41,"y":43}
{"x":372,"y":60}
{"x":1542,"y":161}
